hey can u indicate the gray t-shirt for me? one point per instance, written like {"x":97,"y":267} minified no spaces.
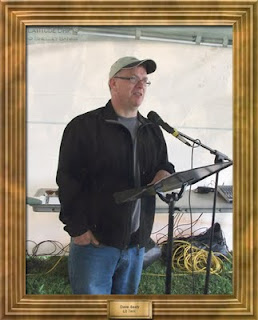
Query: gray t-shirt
{"x":132,"y":124}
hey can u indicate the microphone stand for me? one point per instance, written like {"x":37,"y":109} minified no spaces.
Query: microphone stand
{"x":208,"y":267}
{"x":219,"y":157}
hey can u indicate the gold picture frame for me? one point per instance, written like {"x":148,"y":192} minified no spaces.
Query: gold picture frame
{"x":15,"y":17}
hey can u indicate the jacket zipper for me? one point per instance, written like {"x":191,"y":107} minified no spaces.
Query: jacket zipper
{"x":140,"y":171}
{"x":125,"y":245}
{"x":134,"y":150}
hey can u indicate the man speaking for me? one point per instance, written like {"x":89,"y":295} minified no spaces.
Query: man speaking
{"x":108,"y":150}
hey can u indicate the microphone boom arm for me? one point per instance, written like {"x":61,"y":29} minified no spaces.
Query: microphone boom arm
{"x":219,"y":156}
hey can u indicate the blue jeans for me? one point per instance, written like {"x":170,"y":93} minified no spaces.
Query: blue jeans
{"x":104,"y":270}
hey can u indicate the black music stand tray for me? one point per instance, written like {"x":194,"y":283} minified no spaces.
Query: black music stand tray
{"x":178,"y":180}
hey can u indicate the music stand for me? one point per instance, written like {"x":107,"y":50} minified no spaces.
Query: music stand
{"x":178,"y":180}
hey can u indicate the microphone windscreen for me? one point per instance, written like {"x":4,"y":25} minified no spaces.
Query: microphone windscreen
{"x":153,"y":117}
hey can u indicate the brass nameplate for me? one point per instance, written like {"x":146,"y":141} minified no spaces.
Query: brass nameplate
{"x":125,"y":309}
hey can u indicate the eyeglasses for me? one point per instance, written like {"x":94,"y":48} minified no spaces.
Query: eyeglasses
{"x":135,"y":80}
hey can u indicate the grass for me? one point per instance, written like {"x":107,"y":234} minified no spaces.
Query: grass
{"x":42,"y":278}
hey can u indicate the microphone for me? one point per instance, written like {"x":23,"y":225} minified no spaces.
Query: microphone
{"x":155,"y":118}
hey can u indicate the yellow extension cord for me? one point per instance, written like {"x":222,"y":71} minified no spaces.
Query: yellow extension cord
{"x":43,"y":273}
{"x":189,"y":258}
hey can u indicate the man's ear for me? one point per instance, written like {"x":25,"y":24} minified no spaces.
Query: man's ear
{"x":112,"y":83}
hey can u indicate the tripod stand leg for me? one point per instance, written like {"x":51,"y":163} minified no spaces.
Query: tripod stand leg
{"x":208,"y":267}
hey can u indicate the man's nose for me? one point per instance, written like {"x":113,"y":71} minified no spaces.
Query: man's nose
{"x":141,"y":84}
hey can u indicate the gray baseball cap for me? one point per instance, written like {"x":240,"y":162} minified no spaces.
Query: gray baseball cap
{"x":130,"y":62}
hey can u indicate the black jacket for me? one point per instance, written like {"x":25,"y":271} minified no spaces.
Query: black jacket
{"x":95,"y":161}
